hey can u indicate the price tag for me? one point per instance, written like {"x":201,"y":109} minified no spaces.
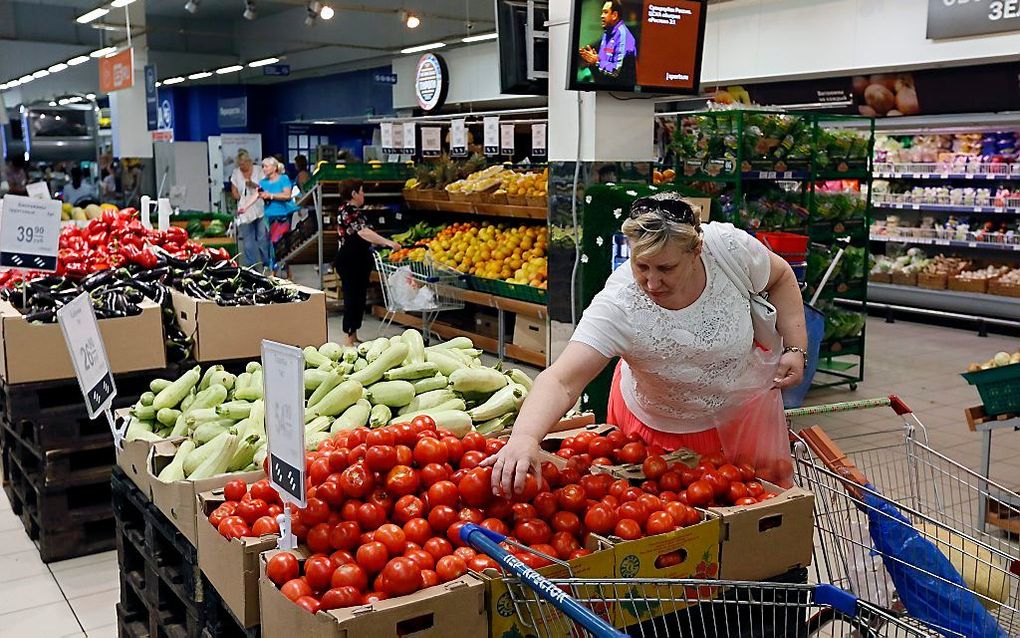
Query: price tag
{"x":978,"y":209}
{"x":969,"y":176}
{"x":386,"y":138}
{"x":768,"y":175}
{"x":283,"y":367}
{"x":409,"y":138}
{"x":431,"y":141}
{"x":491,"y":135}
{"x":506,"y":139}
{"x":972,"y":244}
{"x":38,"y":190}
{"x":29,"y":236}
{"x":916,"y":206}
{"x":398,"y":139}
{"x":941,"y":242}
{"x":458,"y":138}
{"x":943,"y":175}
{"x":538,"y":139}
{"x":77,"y":321}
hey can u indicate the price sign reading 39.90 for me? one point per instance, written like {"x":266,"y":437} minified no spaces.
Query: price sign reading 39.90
{"x":29,"y":234}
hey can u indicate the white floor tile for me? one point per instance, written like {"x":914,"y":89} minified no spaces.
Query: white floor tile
{"x":25,"y":593}
{"x":82,"y":561}
{"x":5,"y":504}
{"x":15,"y":540}
{"x":20,"y":565}
{"x":9,"y":521}
{"x":109,"y":631}
{"x":89,"y":579}
{"x":96,"y":610}
{"x":54,"y":619}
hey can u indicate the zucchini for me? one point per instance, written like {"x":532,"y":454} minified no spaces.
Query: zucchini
{"x":456,"y":342}
{"x":168,"y":416}
{"x":415,"y":346}
{"x":428,"y":400}
{"x":445,"y":363}
{"x":174,"y":393}
{"x":353,"y":417}
{"x":336,"y":400}
{"x":379,"y":416}
{"x":223,"y":378}
{"x":375,"y":348}
{"x":332,"y":351}
{"x":350,"y":355}
{"x":390,"y":358}
{"x":158,"y":385}
{"x":236,"y":410}
{"x":313,"y":359}
{"x":175,"y":470}
{"x":207,"y":431}
{"x":502,"y":402}
{"x":219,"y":460}
{"x":494,"y":426}
{"x":147,"y":398}
{"x":245,"y":453}
{"x":253,"y":367}
{"x":360,"y":364}
{"x":318,"y":424}
{"x":332,"y":380}
{"x":204,"y":383}
{"x":477,"y":380}
{"x":314,"y":377}
{"x":188,"y":400}
{"x":312,"y":441}
{"x":253,"y":390}
{"x":412,"y":372}
{"x":243,"y":381}
{"x":438,"y":382}
{"x":520,"y":377}
{"x":393,"y":394}
{"x":456,"y":405}
{"x":143,"y":412}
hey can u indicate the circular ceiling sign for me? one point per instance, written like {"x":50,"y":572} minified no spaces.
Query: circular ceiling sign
{"x":430,"y":82}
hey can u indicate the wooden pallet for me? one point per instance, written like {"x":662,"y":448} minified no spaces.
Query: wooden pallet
{"x":1002,"y":515}
{"x":90,"y":463}
{"x":976,"y":416}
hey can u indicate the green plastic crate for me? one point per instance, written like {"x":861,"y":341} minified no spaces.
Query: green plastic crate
{"x":999,"y":388}
{"x":520,"y":292}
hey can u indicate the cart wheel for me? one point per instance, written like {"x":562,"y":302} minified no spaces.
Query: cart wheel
{"x":853,"y":387}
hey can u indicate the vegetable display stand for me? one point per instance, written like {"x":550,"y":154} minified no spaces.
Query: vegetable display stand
{"x":808,"y":173}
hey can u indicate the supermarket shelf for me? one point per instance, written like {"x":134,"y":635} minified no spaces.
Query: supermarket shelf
{"x":447,"y":331}
{"x":949,"y":243}
{"x":478,"y":208}
{"x":944,"y":176}
{"x":964,"y":304}
{"x":948,"y":208}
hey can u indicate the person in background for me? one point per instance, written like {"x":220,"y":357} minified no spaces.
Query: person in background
{"x":301,"y":162}
{"x":353,"y":262}
{"x":252,"y":231}
{"x":276,"y":190}
{"x":17,"y":177}
{"x":79,"y":189}
{"x":108,"y":185}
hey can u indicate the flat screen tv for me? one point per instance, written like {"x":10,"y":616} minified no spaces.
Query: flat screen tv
{"x":511,"y":25}
{"x":639,"y":46}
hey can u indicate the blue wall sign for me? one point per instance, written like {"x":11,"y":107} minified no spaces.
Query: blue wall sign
{"x":276,"y":69}
{"x":232,"y":112}
{"x":164,"y":114}
{"x":151,"y":98}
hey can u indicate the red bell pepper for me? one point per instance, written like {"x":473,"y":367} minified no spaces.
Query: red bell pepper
{"x":109,"y":217}
{"x":76,"y":270}
{"x":219,"y":254}
{"x":176,"y":235}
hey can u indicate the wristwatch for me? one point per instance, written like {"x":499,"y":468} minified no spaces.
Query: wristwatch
{"x":802,"y":351}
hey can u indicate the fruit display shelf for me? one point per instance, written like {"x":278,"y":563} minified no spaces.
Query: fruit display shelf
{"x":486,"y":209}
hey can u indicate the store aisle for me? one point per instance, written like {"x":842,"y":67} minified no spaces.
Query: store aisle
{"x":919,"y":363}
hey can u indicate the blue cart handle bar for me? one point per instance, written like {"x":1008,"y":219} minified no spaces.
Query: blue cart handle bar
{"x":487,"y":542}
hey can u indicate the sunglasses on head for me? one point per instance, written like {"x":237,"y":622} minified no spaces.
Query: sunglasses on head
{"x":674,"y":210}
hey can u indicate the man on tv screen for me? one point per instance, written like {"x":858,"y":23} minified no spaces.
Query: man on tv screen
{"x":615,"y":61}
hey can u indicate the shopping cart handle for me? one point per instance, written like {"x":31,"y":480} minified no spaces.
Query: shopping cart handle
{"x":470,"y":528}
{"x":842,"y":601}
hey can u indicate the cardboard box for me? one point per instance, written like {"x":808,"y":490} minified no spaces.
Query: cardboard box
{"x":487,"y":326}
{"x":532,"y":334}
{"x":222,"y":333}
{"x":697,"y":547}
{"x":179,"y":500}
{"x":39,"y":352}
{"x":452,"y":610}
{"x":769,"y":538}
{"x":504,"y":615}
{"x":232,"y":566}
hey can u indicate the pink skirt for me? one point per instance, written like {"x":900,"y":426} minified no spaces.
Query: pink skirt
{"x":278,"y":229}
{"x":705,"y":442}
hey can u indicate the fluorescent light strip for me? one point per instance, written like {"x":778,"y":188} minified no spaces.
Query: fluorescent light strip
{"x":479,"y":38}
{"x":424,"y":47}
{"x":98,"y":12}
{"x":57,"y":68}
{"x":41,"y":73}
{"x":25,"y":79}
{"x":263,"y":62}
{"x":102,"y":53}
{"x":121,"y":3}
{"x":323,"y":122}
{"x":75,"y":61}
{"x":173,"y":80}
{"x":90,"y":96}
{"x":229,"y":69}
{"x":200,"y":75}
{"x":158,"y":84}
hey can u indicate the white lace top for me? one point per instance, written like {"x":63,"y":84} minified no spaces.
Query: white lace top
{"x":679,"y":365}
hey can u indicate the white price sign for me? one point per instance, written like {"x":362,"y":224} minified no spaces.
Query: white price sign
{"x":398,"y":139}
{"x":78,"y":322}
{"x":409,"y":138}
{"x":431,"y":141}
{"x":283,"y":368}
{"x":506,"y":139}
{"x":39,"y":190}
{"x":538,"y":139}
{"x":29,"y":236}
{"x":491,"y":136}
{"x":386,"y":137}
{"x":458,"y":138}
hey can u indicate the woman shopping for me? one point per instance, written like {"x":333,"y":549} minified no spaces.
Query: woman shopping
{"x":252,"y":231}
{"x":354,"y":257}
{"x":277,"y":191}
{"x":686,"y":318}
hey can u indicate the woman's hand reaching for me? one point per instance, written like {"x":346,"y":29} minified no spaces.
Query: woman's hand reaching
{"x":790,"y":371}
{"x":511,"y":464}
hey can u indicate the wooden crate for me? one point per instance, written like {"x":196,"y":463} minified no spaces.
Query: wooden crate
{"x":937,"y":281}
{"x":968,"y":285}
{"x":904,"y":279}
{"x":880,"y":277}
{"x":1004,"y":288}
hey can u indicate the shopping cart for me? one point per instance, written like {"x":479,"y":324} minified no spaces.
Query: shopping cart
{"x":892,"y":480}
{"x":563,"y":607}
{"x":424,"y":287}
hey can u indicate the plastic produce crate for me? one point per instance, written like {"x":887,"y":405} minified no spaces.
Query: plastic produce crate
{"x":999,"y":388}
{"x":520,"y":292}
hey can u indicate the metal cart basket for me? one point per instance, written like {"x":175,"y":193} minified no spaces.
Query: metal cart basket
{"x":424,"y":287}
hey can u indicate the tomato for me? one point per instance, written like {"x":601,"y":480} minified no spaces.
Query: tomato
{"x":450,"y":568}
{"x":441,"y":517}
{"x":569,"y":475}
{"x":471,"y":515}
{"x":551,"y":474}
{"x":357,"y":454}
{"x":618,"y":487}
{"x":381,"y":436}
{"x":654,"y":466}
{"x":405,"y":456}
{"x":500,"y":508}
{"x":454,"y":448}
{"x":341,"y":557}
{"x":356,"y":481}
{"x":476,"y":487}
{"x":349,"y":512}
{"x":571,"y":498}
{"x":338,"y":459}
{"x":543,"y":548}
{"x":372,"y":556}
{"x":729,"y":472}
{"x":611,"y":501}
{"x":628,"y":529}
{"x":594,"y":487}
{"x":252,"y":510}
{"x":481,"y":562}
{"x":472,"y":458}
{"x":443,"y":493}
{"x":366,"y":537}
{"x":423,"y":422}
{"x":632,"y":453}
{"x":235,"y":490}
{"x":715,"y":459}
{"x":523,"y":511}
{"x":375,"y":596}
{"x":700,"y":493}
{"x":309,"y":604}
{"x":319,"y":572}
{"x":400,"y":576}
{"x":438,"y":547}
{"x":747,"y":472}
{"x":421,"y":558}
{"x":634,"y":510}
{"x":600,"y":446}
{"x":659,"y":523}
{"x":493,"y":445}
{"x":265,"y":525}
{"x":318,"y":538}
{"x":650,"y":487}
{"x":566,"y":452}
{"x":331,"y":492}
{"x":393,"y":537}
{"x":340,"y":597}
{"x":402,"y":480}
{"x":532,"y":531}
{"x":432,"y":474}
{"x":381,"y":458}
{"x":282,"y":567}
{"x":408,"y":507}
{"x":528,"y":491}
{"x":566,"y":522}
{"x":217,"y":516}
{"x":755,"y":489}
{"x":350,"y":575}
{"x":747,"y":500}
{"x":651,"y":502}
{"x":453,"y":533}
{"x":383,"y":499}
{"x":295,"y":588}
{"x":275,"y":510}
{"x":319,"y":470}
{"x":466,"y":553}
{"x":670,"y":481}
{"x":370,"y":516}
{"x":429,"y":450}
{"x":545,"y":505}
{"x":600,"y":519}
{"x":473,"y":441}
{"x":736,"y":492}
{"x":565,"y":544}
{"x":418,"y":530}
{"x":766,"y":496}
{"x":496,"y":525}
{"x":229,"y":522}
{"x":344,"y":535}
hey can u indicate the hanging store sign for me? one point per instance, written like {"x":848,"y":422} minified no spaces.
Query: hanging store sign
{"x":431,"y":81}
{"x":276,"y":70}
{"x":538,"y":140}
{"x":431,"y":141}
{"x":956,"y":18}
{"x":458,"y":139}
{"x":386,"y":138}
{"x":116,"y":71}
{"x":491,"y":136}
{"x":151,"y":99}
{"x":409,"y":138}
{"x":232,"y":112}
{"x":506,"y":139}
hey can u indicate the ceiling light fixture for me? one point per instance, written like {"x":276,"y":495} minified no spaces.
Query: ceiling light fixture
{"x":57,"y":68}
{"x":79,"y":59}
{"x":249,"y":10}
{"x":52,"y":103}
{"x":98,"y":12}
{"x":63,"y":102}
{"x":191,"y":6}
{"x":479,"y":38}
{"x":410,"y":20}
{"x":229,"y":69}
{"x":263,"y":62}
{"x":327,"y":12}
{"x":41,"y":73}
{"x":25,"y":79}
{"x":121,"y":3}
{"x":173,"y":80}
{"x":424,"y":47}
{"x":102,"y":53}
{"x":200,"y":75}
{"x":90,"y":96}
{"x":324,"y":122}
{"x":74,"y":100}
{"x":158,"y":84}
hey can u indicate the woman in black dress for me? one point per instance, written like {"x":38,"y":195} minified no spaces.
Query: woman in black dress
{"x":354,"y":256}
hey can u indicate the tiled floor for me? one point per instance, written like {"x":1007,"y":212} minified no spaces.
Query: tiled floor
{"x":919,"y":363}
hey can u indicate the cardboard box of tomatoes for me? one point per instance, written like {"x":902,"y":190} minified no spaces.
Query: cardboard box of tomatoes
{"x":179,"y":500}
{"x":231,"y":565}
{"x":455,"y":609}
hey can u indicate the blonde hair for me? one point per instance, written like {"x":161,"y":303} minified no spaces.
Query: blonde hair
{"x":272,"y":161}
{"x":651,"y":227}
